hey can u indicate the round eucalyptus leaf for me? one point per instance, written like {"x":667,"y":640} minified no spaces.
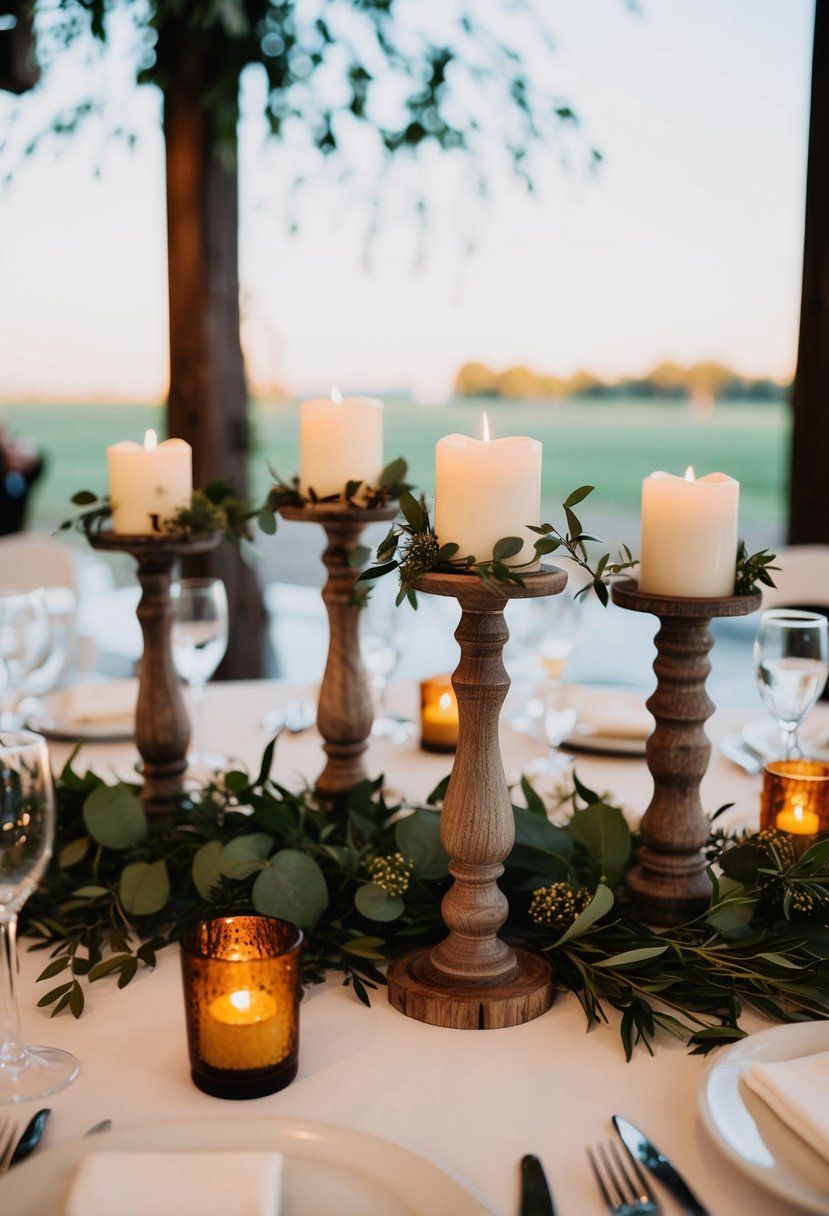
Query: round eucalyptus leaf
{"x":292,"y":887}
{"x":418,"y":836}
{"x":207,"y":867}
{"x":114,"y":817}
{"x":246,"y":854}
{"x":373,"y":902}
{"x":144,"y":887}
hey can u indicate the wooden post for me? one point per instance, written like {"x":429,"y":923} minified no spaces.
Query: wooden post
{"x":808,"y":502}
{"x":473,"y":980}
{"x":670,"y":884}
{"x":345,"y":711}
{"x":162,"y":728}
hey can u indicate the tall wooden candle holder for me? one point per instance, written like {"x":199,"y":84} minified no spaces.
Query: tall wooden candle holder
{"x":162,"y":729}
{"x":345,"y":711}
{"x":669,"y":884}
{"x":473,"y":980}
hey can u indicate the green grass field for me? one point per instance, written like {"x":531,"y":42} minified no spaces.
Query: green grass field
{"x":609,"y":444}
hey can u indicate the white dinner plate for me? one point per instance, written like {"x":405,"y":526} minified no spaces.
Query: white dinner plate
{"x":54,"y":720}
{"x":585,"y":739}
{"x":329,"y":1171}
{"x":763,"y":735}
{"x":746,"y":1129}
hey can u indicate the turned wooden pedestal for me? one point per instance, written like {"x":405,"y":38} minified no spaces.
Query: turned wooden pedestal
{"x":473,"y":980}
{"x":162,"y":729}
{"x":345,"y":711}
{"x":669,"y":884}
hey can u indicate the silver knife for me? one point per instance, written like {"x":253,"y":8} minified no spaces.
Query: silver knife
{"x":645,"y":1151}
{"x":536,"y":1199}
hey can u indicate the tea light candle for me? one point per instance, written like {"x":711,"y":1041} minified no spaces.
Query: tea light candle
{"x":798,"y":820}
{"x":242,"y":1030}
{"x":486,"y":489}
{"x":340,"y":440}
{"x":155,"y":479}
{"x":689,"y":535}
{"x":439,"y":719}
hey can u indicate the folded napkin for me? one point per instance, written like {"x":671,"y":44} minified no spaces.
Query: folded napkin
{"x":112,"y":701}
{"x":612,"y":713}
{"x":177,"y":1184}
{"x":796,"y":1091}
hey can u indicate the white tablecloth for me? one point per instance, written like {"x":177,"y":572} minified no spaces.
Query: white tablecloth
{"x":474,"y":1101}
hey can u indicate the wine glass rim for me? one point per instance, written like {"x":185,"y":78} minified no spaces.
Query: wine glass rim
{"x":797,"y":616}
{"x":19,"y":741}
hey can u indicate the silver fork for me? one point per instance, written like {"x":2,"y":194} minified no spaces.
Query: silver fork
{"x":8,"y":1139}
{"x":621,"y":1182}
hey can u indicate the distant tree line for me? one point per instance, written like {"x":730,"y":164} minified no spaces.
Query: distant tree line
{"x":709,"y":381}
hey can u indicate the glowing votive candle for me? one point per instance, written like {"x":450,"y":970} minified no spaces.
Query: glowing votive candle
{"x":242,"y":1030}
{"x":155,"y":479}
{"x":439,"y":720}
{"x":795,"y":799}
{"x":486,"y":489}
{"x":689,"y":535}
{"x":798,"y":821}
{"x":340,"y":440}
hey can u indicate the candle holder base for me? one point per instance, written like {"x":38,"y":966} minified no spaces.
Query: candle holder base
{"x":417,"y":990}
{"x":669,"y":883}
{"x":345,"y":711}
{"x":162,"y":729}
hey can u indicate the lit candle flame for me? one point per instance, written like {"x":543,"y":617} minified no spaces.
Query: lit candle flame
{"x":150,"y":441}
{"x":690,"y":475}
{"x":445,"y":700}
{"x":485,"y":427}
{"x":240,"y":1001}
{"x":336,"y":396}
{"x":797,"y":811}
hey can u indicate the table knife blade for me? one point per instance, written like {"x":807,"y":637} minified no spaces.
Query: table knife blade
{"x":645,"y":1150}
{"x":536,"y":1199}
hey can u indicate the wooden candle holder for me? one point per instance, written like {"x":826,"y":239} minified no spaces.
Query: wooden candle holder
{"x":162,"y":728}
{"x":345,"y":711}
{"x":472,"y":979}
{"x":669,"y":884}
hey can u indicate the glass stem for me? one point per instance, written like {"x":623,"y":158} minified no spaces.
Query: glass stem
{"x":790,"y":743}
{"x":11,"y":1048}
{"x":197,"y":697}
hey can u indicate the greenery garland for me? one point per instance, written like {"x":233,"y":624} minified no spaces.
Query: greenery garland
{"x":365,"y":882}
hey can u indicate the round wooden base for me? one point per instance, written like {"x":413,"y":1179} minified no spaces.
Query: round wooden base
{"x":467,"y":1007}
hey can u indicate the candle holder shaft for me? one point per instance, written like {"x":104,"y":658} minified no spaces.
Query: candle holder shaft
{"x":669,"y":883}
{"x":345,"y":711}
{"x":162,"y":728}
{"x":473,"y":979}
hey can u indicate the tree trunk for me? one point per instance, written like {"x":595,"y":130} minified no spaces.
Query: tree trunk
{"x":208,"y":399}
{"x":808,"y":500}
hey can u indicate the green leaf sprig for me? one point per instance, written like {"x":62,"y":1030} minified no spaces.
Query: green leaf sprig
{"x":753,"y":570}
{"x":412,"y":548}
{"x":286,"y":493}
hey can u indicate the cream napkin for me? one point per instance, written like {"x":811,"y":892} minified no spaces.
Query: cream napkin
{"x":612,"y":713}
{"x":177,"y":1184}
{"x":110,"y":701}
{"x":796,"y":1091}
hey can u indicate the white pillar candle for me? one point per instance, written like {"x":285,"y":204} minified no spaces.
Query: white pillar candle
{"x":340,"y":440}
{"x":485,"y":490}
{"x":156,"y":479}
{"x":689,"y":535}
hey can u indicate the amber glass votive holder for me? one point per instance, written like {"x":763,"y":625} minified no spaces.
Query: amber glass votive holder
{"x":795,"y":799}
{"x":241,"y":998}
{"x":438,"y":715}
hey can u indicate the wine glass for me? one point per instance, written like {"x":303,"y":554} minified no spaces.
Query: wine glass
{"x":200,"y":629}
{"x":791,"y":655}
{"x":27,"y":824}
{"x":381,"y":644}
{"x":24,"y":641}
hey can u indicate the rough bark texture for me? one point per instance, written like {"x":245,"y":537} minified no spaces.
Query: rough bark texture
{"x":208,"y":399}
{"x":809,"y":503}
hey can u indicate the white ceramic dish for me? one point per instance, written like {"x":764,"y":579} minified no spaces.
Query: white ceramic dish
{"x":583,"y":739}
{"x":329,"y":1171}
{"x":763,"y":736}
{"x":54,"y":720}
{"x":747,"y":1131}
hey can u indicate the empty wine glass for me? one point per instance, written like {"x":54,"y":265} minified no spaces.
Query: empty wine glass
{"x":24,"y":640}
{"x":791,"y":655}
{"x":381,"y":644}
{"x":27,"y":824}
{"x":200,"y":630}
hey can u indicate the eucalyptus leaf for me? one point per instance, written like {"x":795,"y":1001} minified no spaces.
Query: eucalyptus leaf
{"x":394,"y":474}
{"x":418,"y":837}
{"x":414,"y":511}
{"x":292,"y":887}
{"x":144,"y":887}
{"x":207,"y":867}
{"x":73,"y":853}
{"x":506,"y":547}
{"x":114,"y":817}
{"x":577,"y":496}
{"x":246,"y":854}
{"x":598,"y":907}
{"x":629,"y":958}
{"x":604,"y":833}
{"x":374,"y":903}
